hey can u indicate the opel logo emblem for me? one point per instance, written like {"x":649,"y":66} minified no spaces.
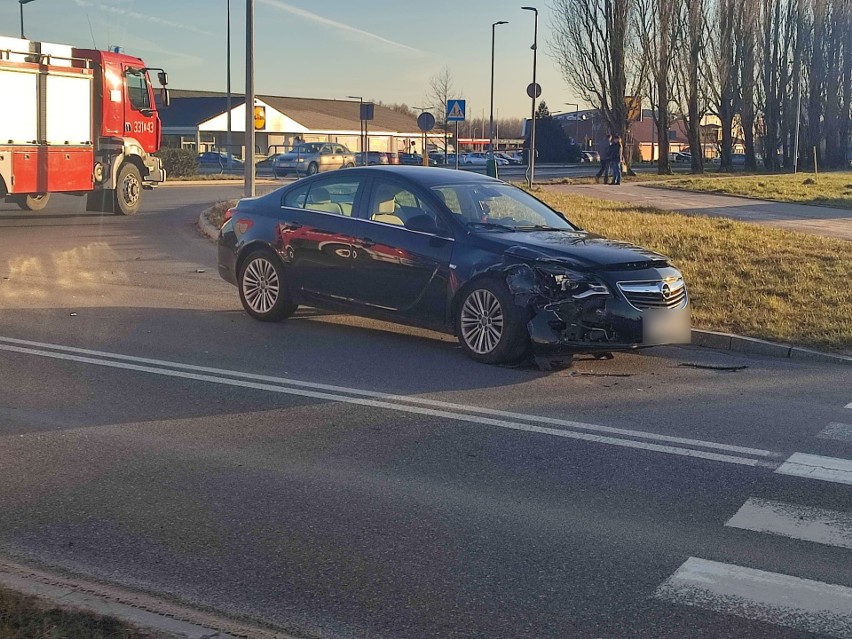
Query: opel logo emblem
{"x":666,"y":291}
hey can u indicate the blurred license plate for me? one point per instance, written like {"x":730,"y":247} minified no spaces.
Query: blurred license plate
{"x":666,"y":326}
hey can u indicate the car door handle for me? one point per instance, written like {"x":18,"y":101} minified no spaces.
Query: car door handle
{"x":291,"y":226}
{"x":366,"y":242}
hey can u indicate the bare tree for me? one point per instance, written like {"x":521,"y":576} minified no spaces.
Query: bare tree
{"x":441,"y":90}
{"x":658,"y":30}
{"x":594,"y":46}
{"x":725,"y":68}
{"x":692,"y":75}
{"x":746,"y":35}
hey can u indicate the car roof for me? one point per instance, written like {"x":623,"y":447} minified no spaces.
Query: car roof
{"x":427,"y":176}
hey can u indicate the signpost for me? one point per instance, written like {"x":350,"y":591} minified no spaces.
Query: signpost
{"x":455,"y":113}
{"x":367,"y":113}
{"x":425,"y":122}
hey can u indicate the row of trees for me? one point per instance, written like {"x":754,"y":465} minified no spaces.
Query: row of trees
{"x":765,"y":68}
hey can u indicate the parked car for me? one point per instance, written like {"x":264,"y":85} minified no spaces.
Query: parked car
{"x":511,"y":159}
{"x":216,"y":161}
{"x":682,"y":157}
{"x":590,"y":157}
{"x":738,"y":159}
{"x":481,"y":159}
{"x":414,"y":159}
{"x":453,"y":251}
{"x":313,"y":157}
{"x":373,"y":158}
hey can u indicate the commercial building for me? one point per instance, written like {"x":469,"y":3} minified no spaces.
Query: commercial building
{"x":198,"y":120}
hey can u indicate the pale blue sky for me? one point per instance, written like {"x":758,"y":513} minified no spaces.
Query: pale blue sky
{"x":381,"y":49}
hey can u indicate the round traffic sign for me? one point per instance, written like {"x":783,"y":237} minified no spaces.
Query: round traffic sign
{"x":426,"y":121}
{"x":534,"y":90}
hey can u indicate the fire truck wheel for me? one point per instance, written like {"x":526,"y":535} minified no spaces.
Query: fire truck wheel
{"x":128,"y":193}
{"x":33,"y":201}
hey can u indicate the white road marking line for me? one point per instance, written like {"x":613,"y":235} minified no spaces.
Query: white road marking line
{"x":756,"y":452}
{"x":828,"y":527}
{"x":849,"y":405}
{"x":837,"y":431}
{"x":769,"y":597}
{"x":474,"y":419}
{"x":831,"y":469}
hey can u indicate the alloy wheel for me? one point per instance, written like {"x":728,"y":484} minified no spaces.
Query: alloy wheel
{"x":261,"y":285}
{"x":482,"y":321}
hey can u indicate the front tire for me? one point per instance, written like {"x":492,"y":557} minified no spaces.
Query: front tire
{"x":128,"y":192}
{"x":490,"y":327}
{"x":263,"y":289}
{"x":313,"y":168}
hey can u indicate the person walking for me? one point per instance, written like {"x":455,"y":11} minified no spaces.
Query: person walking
{"x":603,"y":155}
{"x":615,"y":153}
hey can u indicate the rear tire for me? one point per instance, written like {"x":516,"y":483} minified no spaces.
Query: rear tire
{"x":490,"y":327}
{"x":128,"y":192}
{"x":263,"y":288}
{"x":32,"y":201}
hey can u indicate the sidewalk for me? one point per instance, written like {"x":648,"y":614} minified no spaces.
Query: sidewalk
{"x":818,"y":220}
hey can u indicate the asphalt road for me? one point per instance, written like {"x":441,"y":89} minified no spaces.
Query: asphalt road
{"x":338,"y":477}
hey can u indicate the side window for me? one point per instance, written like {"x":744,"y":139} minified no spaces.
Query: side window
{"x":137,"y":90}
{"x":295,"y":198}
{"x":326,"y":149}
{"x":333,"y":195}
{"x":394,"y":204}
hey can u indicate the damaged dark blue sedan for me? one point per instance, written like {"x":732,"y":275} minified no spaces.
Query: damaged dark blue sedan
{"x":452,"y":251}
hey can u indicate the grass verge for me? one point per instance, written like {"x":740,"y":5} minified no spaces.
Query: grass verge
{"x":828,"y":189}
{"x":26,"y":617}
{"x":743,"y":278}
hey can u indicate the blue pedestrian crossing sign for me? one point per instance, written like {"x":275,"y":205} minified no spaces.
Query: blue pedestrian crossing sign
{"x":455,"y":110}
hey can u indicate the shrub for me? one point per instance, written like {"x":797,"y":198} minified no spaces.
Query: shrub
{"x":178,"y":162}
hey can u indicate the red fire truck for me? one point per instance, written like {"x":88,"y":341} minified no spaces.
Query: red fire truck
{"x":77,"y":121}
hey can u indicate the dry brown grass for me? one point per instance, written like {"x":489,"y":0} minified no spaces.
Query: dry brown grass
{"x":828,"y":189}
{"x":743,"y":278}
{"x":25,"y":617}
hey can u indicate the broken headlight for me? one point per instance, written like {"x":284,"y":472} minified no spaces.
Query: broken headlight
{"x":564,"y":282}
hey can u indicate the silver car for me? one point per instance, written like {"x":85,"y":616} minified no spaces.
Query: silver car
{"x":313,"y":157}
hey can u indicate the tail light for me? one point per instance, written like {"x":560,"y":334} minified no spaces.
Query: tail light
{"x":228,"y":215}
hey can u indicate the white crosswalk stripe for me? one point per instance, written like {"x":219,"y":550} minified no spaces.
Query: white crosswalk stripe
{"x":827,"y":527}
{"x":837,"y":431}
{"x":833,"y":469}
{"x":803,"y":604}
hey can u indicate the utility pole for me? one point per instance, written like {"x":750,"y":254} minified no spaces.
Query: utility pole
{"x":249,"y":155}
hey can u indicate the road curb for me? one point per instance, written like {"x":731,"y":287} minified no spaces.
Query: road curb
{"x":179,"y":183}
{"x":206,"y":228}
{"x":707,"y":339}
{"x":160,"y":617}
{"x":754,"y":346}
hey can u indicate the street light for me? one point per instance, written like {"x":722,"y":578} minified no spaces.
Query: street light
{"x":576,"y":119}
{"x":361,"y":129}
{"x":492,"y":166}
{"x":534,"y":87}
{"x":21,"y":3}
{"x":249,"y":155}
{"x":228,"y":139}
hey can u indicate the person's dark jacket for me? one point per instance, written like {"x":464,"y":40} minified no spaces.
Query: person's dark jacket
{"x":615,"y":151}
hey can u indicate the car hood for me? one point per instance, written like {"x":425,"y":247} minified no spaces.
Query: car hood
{"x":578,"y":249}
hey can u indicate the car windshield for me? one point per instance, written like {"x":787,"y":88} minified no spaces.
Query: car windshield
{"x":500,"y":206}
{"x":312,"y":147}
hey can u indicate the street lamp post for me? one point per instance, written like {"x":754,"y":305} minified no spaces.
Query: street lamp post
{"x":361,"y":130}
{"x":228,"y":139}
{"x":535,"y":86}
{"x":249,"y":155}
{"x":576,"y":119}
{"x":492,"y":165}
{"x":21,"y":3}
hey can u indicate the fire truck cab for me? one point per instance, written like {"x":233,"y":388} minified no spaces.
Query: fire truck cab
{"x":78,"y":121}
